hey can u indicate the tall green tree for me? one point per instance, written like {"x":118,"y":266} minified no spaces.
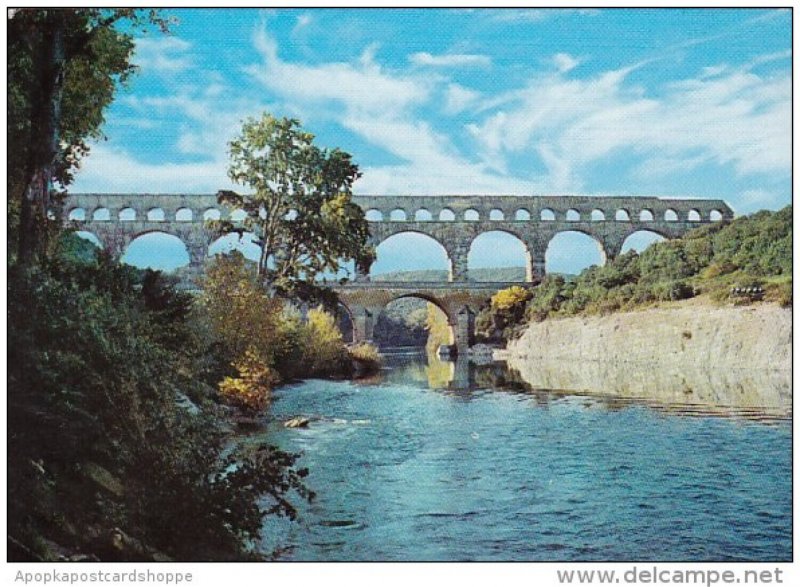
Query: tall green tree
{"x":299,"y":204}
{"x":64,"y":66}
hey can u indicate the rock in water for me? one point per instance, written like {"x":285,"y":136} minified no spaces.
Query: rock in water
{"x":298,"y":422}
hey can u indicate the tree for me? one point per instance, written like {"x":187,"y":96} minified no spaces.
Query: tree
{"x":64,"y":66}
{"x":300,"y":207}
{"x":246,"y":321}
{"x":100,"y":353}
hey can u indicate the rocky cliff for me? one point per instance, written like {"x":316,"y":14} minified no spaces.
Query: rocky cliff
{"x":687,"y":353}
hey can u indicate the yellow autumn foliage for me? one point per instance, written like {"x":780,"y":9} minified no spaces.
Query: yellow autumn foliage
{"x":251,"y":389}
{"x":325,"y":350}
{"x":438,"y":329}
{"x":510,"y":297}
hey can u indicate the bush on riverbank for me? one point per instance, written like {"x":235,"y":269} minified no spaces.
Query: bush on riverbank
{"x":325,"y":353}
{"x":365,"y":358}
{"x":504,"y":313}
{"x":265,"y":340}
{"x":750,"y":251}
{"x":107,"y":456}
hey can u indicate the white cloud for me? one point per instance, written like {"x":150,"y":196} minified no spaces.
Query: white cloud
{"x":164,"y":54}
{"x":735,"y":117}
{"x":565,"y":62}
{"x":303,"y":21}
{"x":759,"y":199}
{"x":365,"y":87}
{"x":382,"y":107}
{"x":458,"y":98}
{"x":112,"y":170}
{"x":450,"y":60}
{"x":521,"y":15}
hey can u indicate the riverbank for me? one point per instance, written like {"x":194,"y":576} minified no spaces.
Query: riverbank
{"x":686,"y":352}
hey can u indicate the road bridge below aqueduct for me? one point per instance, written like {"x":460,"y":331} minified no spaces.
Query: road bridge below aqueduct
{"x":453,"y":221}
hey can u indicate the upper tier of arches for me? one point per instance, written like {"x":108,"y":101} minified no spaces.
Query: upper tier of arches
{"x":121,"y":208}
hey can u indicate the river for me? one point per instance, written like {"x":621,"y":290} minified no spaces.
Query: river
{"x":453,"y":462}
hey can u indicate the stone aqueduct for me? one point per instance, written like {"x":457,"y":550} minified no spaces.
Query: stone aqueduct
{"x":453,"y":221}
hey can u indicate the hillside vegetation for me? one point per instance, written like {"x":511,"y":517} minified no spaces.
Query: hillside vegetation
{"x":749,"y":253}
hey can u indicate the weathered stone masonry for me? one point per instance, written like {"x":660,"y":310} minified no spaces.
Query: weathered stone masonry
{"x":453,"y":221}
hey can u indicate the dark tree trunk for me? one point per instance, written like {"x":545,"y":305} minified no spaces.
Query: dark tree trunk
{"x":49,"y":63}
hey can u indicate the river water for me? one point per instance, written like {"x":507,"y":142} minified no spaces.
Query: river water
{"x":453,"y":462}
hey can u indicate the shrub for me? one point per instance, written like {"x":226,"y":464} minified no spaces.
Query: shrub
{"x":100,"y":353}
{"x":780,"y":293}
{"x":325,"y":350}
{"x":250,"y":390}
{"x":366,"y":357}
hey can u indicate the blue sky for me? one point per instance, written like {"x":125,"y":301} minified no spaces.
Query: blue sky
{"x":627,"y":102}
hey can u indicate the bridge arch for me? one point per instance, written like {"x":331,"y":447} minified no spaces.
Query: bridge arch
{"x":373,"y":215}
{"x":639,"y":240}
{"x":156,"y":249}
{"x":444,"y":311}
{"x":547,"y":215}
{"x":156,"y":215}
{"x":423,"y":215}
{"x":715,"y":215}
{"x":127,"y":214}
{"x":693,"y":215}
{"x":597,"y":215}
{"x":447,"y":215}
{"x":472,"y":215}
{"x":573,"y":215}
{"x":499,"y":248}
{"x":622,"y":215}
{"x":646,"y":215}
{"x":496,"y":214}
{"x":77,"y":214}
{"x":398,"y":215}
{"x":91,"y":237}
{"x":392,"y":253}
{"x":522,"y":214}
{"x":670,"y":215}
{"x":212,"y":214}
{"x":572,"y":251}
{"x":101,"y":214}
{"x":184,"y":215}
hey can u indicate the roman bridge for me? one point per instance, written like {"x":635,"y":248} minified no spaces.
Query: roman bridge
{"x":453,"y":221}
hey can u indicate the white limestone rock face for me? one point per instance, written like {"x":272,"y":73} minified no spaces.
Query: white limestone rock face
{"x":685,"y":353}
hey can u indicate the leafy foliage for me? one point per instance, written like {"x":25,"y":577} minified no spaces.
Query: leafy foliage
{"x":64,"y":67}
{"x":102,"y":361}
{"x":325,"y":352}
{"x":505,"y":311}
{"x":264,"y":340}
{"x":367,"y":354}
{"x":748,"y":251}
{"x":300,"y":207}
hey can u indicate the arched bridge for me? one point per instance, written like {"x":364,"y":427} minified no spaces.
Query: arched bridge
{"x":453,"y":221}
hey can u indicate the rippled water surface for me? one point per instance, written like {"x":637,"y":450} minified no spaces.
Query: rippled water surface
{"x":442,"y":463}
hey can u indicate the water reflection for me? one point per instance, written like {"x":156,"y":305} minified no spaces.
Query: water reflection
{"x":433,"y":372}
{"x":757,"y":395}
{"x":690,"y":390}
